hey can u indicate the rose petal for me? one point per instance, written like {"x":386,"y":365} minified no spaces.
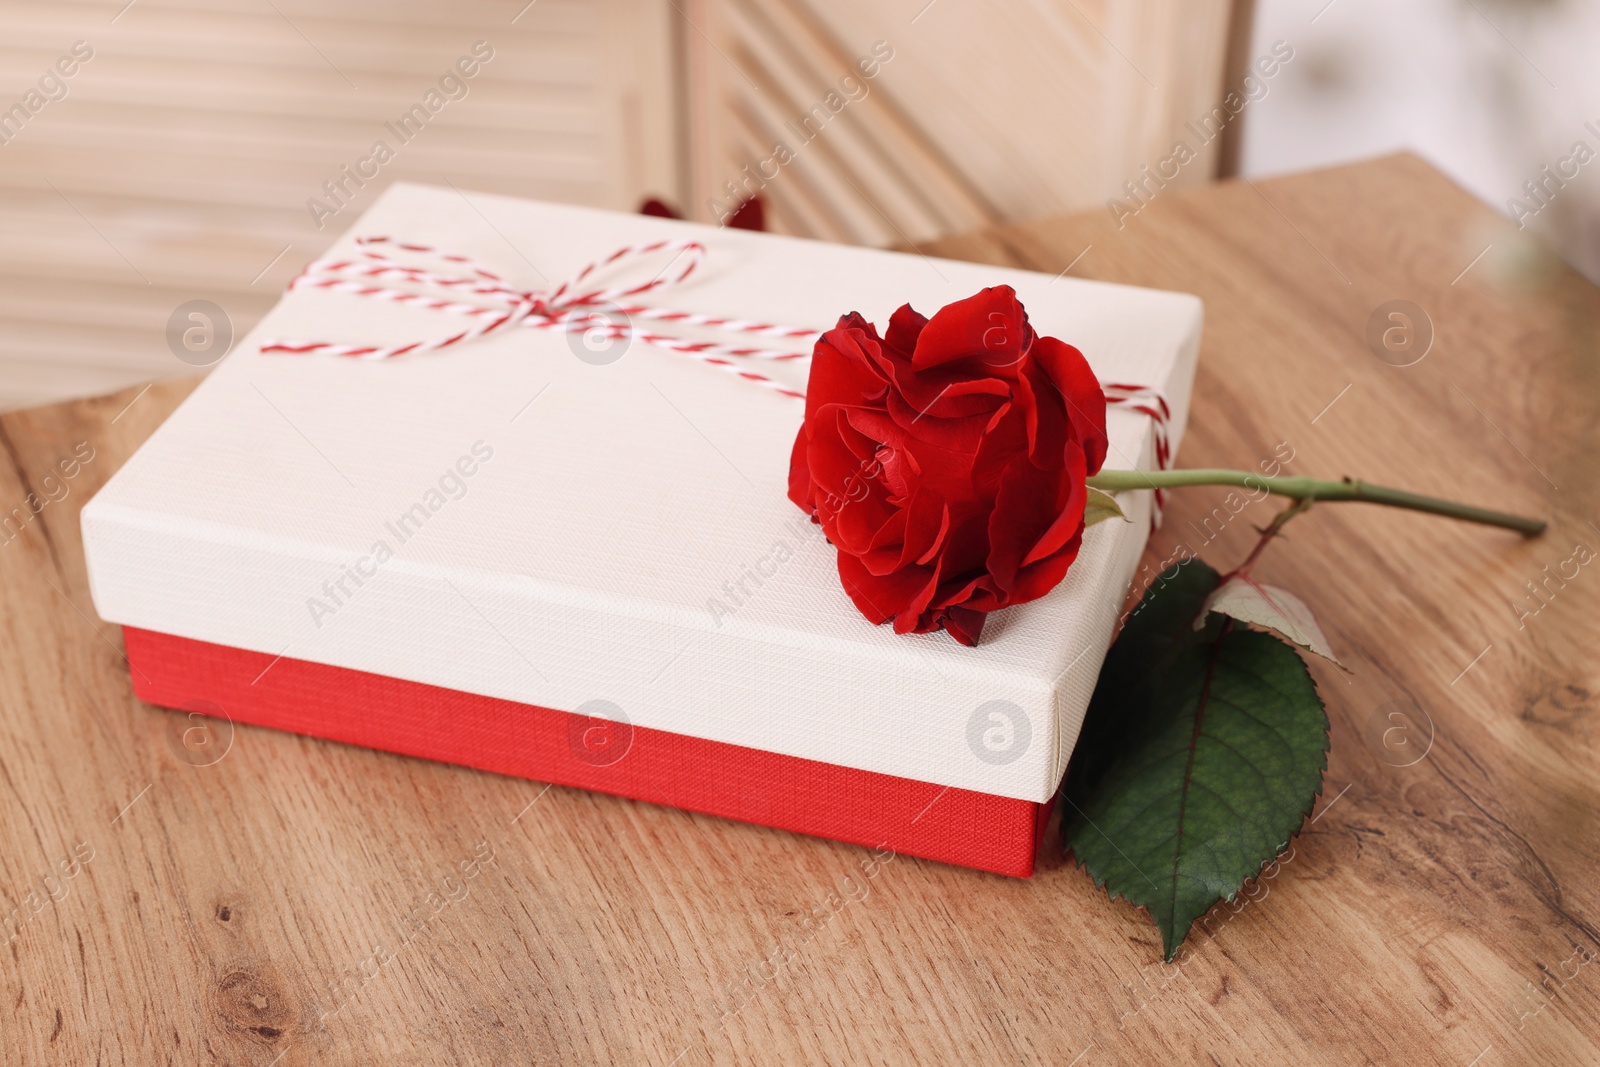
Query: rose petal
{"x":800,"y":484}
{"x":1028,"y":502}
{"x":1036,"y":579}
{"x":1069,"y":522}
{"x":990,"y":328}
{"x":964,"y":624}
{"x":1076,"y":384}
{"x":844,"y":367}
{"x":943,"y":392}
{"x":905,"y":326}
{"x":901,"y":595}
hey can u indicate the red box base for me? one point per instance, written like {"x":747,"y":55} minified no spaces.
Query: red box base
{"x":805,"y":796}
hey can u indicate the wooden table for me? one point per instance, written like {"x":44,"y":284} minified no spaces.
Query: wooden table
{"x":1439,"y":907}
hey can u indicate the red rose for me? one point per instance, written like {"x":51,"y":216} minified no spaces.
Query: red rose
{"x":946,"y":460}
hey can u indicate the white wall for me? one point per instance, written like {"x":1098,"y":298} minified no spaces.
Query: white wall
{"x":1489,"y":91}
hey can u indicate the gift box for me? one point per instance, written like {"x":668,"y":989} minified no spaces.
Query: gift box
{"x":566,"y":553}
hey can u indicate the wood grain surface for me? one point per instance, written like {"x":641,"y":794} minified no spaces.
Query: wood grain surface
{"x":297,"y":902}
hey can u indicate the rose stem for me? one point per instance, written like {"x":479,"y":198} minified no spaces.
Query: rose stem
{"x":1310,"y":488}
{"x":1274,"y":528}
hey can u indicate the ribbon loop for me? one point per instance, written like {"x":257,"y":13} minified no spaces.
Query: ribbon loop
{"x":691,"y":252}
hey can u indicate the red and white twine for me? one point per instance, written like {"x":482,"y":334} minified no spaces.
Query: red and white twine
{"x":572,"y":309}
{"x":568,"y":307}
{"x":1151,"y":402}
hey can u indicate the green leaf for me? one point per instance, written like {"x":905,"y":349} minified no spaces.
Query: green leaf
{"x":1201,"y":754}
{"x":1100,"y":507}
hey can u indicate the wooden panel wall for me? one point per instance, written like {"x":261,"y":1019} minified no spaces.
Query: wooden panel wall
{"x":985,"y":110}
{"x":180,"y":161}
{"x":179,"y":164}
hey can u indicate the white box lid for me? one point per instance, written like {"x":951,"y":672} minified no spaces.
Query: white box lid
{"x":581,"y":561}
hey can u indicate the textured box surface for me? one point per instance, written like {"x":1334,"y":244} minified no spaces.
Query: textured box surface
{"x":623,"y":535}
{"x":823,"y":799}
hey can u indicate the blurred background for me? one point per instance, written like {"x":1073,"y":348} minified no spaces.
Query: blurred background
{"x":154,"y":152}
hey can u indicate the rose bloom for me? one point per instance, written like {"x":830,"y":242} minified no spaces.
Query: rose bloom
{"x":946,"y":460}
